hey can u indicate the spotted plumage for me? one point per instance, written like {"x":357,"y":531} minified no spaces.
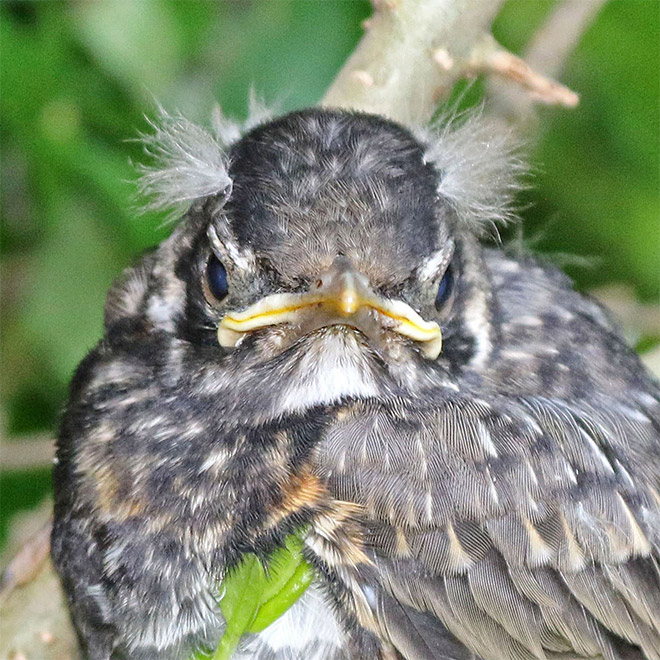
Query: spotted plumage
{"x":322,"y":344}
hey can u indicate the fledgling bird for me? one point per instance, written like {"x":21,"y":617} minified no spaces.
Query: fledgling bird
{"x":468,"y":446}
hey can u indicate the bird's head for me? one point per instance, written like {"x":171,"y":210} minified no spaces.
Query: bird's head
{"x":337,"y":220}
{"x":329,"y":242}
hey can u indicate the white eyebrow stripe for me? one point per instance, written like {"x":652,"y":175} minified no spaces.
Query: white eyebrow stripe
{"x":432,"y":264}
{"x":236,"y":256}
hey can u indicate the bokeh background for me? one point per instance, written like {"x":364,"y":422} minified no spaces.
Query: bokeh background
{"x":77,"y":78}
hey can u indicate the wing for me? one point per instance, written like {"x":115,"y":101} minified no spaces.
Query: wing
{"x":526,"y":527}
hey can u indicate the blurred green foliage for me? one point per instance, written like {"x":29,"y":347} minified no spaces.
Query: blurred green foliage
{"x":78,"y":77}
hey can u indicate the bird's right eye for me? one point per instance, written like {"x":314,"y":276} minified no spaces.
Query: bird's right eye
{"x":216,"y":277}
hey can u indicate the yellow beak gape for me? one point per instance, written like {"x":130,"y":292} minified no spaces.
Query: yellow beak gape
{"x":342,"y":296}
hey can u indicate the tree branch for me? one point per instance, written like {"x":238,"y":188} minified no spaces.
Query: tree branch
{"x":414,"y":52}
{"x":410,"y":57}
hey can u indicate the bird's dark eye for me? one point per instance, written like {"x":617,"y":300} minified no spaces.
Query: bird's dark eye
{"x":216,"y":276}
{"x":445,"y":289}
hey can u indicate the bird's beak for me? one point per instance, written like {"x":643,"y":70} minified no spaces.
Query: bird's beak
{"x":341,"y":296}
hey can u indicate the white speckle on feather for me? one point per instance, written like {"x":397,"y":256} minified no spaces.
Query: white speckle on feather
{"x":597,"y":452}
{"x":486,"y":441}
{"x":431,"y":266}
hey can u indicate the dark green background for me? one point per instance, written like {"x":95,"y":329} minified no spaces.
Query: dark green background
{"x":77,"y":78}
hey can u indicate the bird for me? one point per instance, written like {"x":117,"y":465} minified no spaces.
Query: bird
{"x":326,"y":348}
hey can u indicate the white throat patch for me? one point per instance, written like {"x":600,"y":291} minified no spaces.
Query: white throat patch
{"x":328,"y":371}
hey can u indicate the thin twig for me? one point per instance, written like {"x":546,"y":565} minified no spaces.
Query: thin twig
{"x":492,"y":58}
{"x":27,"y":562}
{"x":553,"y":44}
{"x":546,"y":53}
{"x":27,"y":452}
{"x":637,"y":318}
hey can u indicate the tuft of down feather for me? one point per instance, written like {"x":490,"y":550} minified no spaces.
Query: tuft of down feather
{"x":189,"y":162}
{"x":478,"y":162}
{"x":480,"y":167}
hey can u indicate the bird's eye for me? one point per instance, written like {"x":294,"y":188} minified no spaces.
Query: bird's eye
{"x":445,"y":289}
{"x":216,"y":276}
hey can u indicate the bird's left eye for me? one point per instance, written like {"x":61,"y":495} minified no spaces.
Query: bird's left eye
{"x":445,"y":289}
{"x":216,"y":276}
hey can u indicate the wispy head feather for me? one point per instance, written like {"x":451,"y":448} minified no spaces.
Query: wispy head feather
{"x":478,"y":162}
{"x":480,"y":167}
{"x":189,"y":162}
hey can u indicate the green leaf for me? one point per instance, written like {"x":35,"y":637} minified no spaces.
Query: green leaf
{"x":282,"y":564}
{"x":243,"y":590}
{"x":284,"y":599}
{"x":254,"y":595}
